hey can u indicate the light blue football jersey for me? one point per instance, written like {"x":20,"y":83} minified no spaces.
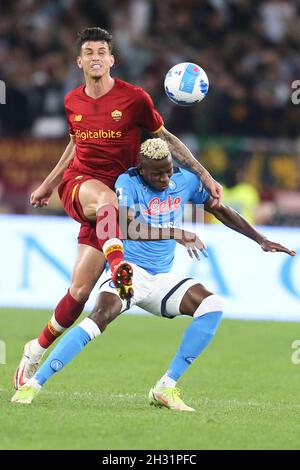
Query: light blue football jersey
{"x":159,"y":209}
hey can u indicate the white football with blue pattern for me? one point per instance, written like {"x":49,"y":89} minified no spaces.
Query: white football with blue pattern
{"x":186,"y":84}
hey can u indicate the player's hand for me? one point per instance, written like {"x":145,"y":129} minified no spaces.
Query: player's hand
{"x":40,"y":197}
{"x":215,"y":189}
{"x":193,"y":244}
{"x":273,"y":247}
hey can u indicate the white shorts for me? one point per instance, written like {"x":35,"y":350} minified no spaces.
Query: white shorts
{"x":160,"y":294}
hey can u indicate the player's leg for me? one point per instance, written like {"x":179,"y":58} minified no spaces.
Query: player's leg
{"x":206,"y":309}
{"x":99,"y":203}
{"x":87,"y":270}
{"x":107,"y":308}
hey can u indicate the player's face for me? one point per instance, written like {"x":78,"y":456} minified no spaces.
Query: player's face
{"x":95,"y":59}
{"x":157,"y":173}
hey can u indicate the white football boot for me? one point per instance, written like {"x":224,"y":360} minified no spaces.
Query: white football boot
{"x":28,"y":366}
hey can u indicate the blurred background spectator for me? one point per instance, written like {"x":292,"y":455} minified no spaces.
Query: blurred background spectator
{"x":249,"y":49}
{"x":239,"y":194}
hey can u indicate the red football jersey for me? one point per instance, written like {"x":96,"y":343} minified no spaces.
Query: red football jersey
{"x":107,"y":130}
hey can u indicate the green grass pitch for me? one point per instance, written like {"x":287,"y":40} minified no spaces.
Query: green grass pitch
{"x":245,"y":389}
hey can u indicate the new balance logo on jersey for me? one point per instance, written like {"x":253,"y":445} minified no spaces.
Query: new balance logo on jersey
{"x":77,"y":117}
{"x":156,"y":206}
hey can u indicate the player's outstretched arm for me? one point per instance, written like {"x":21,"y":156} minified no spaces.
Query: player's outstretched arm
{"x":235,"y":221}
{"x":183,"y":155}
{"x":40,"y":197}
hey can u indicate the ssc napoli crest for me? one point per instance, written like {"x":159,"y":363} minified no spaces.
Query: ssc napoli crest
{"x":56,"y":365}
{"x":172,"y":185}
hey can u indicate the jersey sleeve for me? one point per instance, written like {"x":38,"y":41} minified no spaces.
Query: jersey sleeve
{"x":125,"y":191}
{"x":148,"y":117}
{"x":197,"y":192}
{"x":68,"y":116}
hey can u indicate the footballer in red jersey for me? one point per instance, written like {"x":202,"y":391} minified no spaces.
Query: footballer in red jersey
{"x":107,"y":130}
{"x":105,"y":117}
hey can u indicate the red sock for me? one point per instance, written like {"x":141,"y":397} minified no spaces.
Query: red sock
{"x":109,"y":234}
{"x":66,"y":313}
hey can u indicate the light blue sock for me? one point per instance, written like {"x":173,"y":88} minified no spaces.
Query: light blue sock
{"x":68,"y":347}
{"x":195,"y":339}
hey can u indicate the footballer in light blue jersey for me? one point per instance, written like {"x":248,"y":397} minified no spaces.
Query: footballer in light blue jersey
{"x":158,"y":195}
{"x":159,"y":209}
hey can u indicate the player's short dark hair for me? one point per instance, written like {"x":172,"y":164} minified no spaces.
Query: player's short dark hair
{"x":94,"y":34}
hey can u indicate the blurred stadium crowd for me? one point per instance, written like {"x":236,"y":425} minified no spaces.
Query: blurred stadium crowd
{"x":249,"y":49}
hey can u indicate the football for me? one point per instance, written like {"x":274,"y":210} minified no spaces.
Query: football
{"x":186,"y":84}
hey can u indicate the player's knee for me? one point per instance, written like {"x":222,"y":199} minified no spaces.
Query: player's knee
{"x":211,"y":304}
{"x":109,"y":200}
{"x":102,"y":316}
{"x":113,"y":200}
{"x":93,"y":208}
{"x":80,"y":293}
